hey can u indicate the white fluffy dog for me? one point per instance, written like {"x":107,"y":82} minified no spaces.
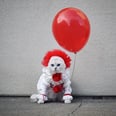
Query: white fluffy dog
{"x":55,"y":76}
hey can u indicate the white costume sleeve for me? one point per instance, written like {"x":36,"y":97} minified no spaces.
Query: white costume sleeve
{"x":42,"y":84}
{"x":67,"y":82}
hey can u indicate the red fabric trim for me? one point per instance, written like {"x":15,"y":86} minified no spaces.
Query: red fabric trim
{"x":43,"y":94}
{"x":67,"y":94}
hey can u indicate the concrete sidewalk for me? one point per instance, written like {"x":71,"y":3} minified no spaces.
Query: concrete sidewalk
{"x":81,"y":106}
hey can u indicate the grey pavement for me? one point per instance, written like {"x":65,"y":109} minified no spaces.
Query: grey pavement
{"x":81,"y":106}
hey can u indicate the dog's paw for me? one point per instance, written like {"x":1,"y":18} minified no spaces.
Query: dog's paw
{"x":34,"y":98}
{"x":42,"y":98}
{"x":67,"y":98}
{"x":40,"y":101}
{"x":67,"y":101}
{"x":39,"y":98}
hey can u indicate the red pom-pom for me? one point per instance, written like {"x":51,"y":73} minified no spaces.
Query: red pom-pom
{"x":59,"y":53}
{"x":57,"y":77}
{"x":57,"y":88}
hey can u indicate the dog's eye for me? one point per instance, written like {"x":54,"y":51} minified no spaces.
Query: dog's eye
{"x":52,"y":65}
{"x":58,"y":64}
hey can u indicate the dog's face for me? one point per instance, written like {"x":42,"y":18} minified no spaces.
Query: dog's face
{"x":56,"y":65}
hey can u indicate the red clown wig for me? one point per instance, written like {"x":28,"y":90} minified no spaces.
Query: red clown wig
{"x":58,"y":53}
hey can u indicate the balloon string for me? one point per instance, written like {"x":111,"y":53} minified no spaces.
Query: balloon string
{"x":73,"y":66}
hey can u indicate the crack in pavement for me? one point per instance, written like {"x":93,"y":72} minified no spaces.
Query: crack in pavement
{"x":76,"y":109}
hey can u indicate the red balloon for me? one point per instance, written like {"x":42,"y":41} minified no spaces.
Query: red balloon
{"x":71,"y":29}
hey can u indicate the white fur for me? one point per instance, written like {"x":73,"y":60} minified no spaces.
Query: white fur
{"x":55,"y":65}
{"x":55,"y":60}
